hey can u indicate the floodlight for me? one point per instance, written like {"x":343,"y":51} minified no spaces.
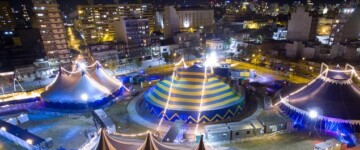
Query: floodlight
{"x":211,"y":60}
{"x":29,"y":141}
{"x":313,"y":114}
{"x":84,"y":97}
{"x":82,"y":65}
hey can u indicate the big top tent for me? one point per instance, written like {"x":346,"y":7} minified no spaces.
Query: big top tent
{"x":86,"y":85}
{"x":98,"y":73}
{"x":330,"y":102}
{"x":193,"y":92}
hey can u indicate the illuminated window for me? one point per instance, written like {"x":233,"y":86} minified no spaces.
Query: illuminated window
{"x":40,"y":15}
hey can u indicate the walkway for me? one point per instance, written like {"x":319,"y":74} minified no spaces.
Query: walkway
{"x":135,"y":116}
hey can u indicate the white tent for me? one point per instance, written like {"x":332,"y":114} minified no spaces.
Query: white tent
{"x":75,"y":87}
{"x":101,"y":76}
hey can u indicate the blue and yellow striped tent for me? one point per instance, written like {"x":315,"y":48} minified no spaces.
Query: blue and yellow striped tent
{"x":220,"y":101}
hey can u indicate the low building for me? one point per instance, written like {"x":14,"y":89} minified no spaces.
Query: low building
{"x":258,"y":127}
{"x":217,"y":132}
{"x":43,"y":69}
{"x":240,"y":130}
{"x":187,"y":39}
{"x":134,"y":33}
{"x":104,"y":52}
{"x":280,"y":34}
{"x":244,"y":73}
{"x":274,"y":123}
{"x":40,"y":69}
{"x":168,"y":47}
{"x":292,"y":49}
{"x":214,"y":44}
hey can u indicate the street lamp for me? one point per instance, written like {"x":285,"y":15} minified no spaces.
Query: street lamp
{"x":174,"y":57}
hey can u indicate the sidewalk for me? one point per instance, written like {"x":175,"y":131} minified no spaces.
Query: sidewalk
{"x":134,"y":115}
{"x":129,"y":68}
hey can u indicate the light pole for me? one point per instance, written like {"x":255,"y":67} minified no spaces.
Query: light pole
{"x":174,"y":57}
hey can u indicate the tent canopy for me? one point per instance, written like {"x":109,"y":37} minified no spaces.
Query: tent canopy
{"x":332,"y":95}
{"x":71,"y":88}
{"x":101,"y":76}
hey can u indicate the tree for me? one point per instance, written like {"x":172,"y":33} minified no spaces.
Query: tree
{"x":231,"y":55}
{"x":227,"y":42}
{"x":166,"y":57}
{"x":239,"y":48}
{"x":138,"y":63}
{"x":112,"y":65}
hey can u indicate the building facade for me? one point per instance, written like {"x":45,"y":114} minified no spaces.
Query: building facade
{"x":51,"y":26}
{"x":302,"y":26}
{"x":7,"y":21}
{"x":214,"y":44}
{"x":134,"y":33}
{"x":195,"y":18}
{"x":104,"y":52}
{"x":170,"y":23}
{"x":184,"y":19}
{"x":345,"y":26}
{"x":96,"y":22}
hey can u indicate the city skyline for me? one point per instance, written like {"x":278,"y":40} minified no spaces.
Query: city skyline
{"x":71,"y":4}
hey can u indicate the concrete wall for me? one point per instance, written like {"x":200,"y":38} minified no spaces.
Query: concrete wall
{"x":308,"y":52}
{"x":120,"y":31}
{"x":299,"y":25}
{"x":171,"y":21}
{"x":293,"y":49}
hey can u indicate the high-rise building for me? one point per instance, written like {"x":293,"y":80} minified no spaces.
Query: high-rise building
{"x":302,"y":26}
{"x":195,"y":18}
{"x":51,"y":26}
{"x":6,"y":16}
{"x":170,"y":22}
{"x":134,"y":33}
{"x":345,"y":26}
{"x":25,"y":13}
{"x":96,"y":22}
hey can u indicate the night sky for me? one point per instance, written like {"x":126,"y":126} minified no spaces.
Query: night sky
{"x":70,"y":5}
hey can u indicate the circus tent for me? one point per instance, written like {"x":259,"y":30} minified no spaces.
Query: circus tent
{"x":184,"y":94}
{"x":85,"y":85}
{"x":70,"y":88}
{"x":331,"y":101}
{"x":98,"y":73}
{"x":107,"y":142}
